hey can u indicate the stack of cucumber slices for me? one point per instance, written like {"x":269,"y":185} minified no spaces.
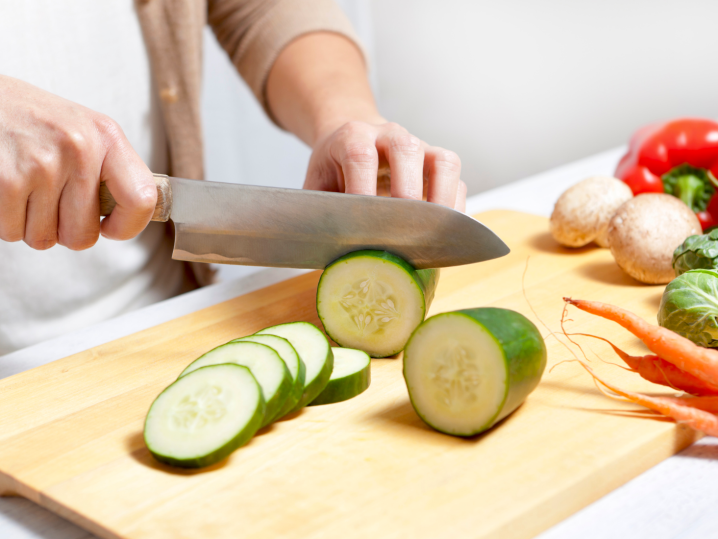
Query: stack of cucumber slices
{"x":223,"y":397}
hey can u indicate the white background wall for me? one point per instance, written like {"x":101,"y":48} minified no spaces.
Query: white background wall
{"x":513,"y":86}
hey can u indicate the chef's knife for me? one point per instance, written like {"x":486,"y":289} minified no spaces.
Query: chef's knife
{"x":249,"y":225}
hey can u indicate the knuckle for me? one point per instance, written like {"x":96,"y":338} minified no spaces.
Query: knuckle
{"x":41,"y":243}
{"x":11,"y":187}
{"x":110,"y":131}
{"x":79,"y":242}
{"x":145,"y":198}
{"x":353,"y":128}
{"x":406,"y":144}
{"x":76,"y":143}
{"x":10,"y":234}
{"x":44,"y":165}
{"x":361,"y":154}
{"x":448,"y":160}
{"x":393,"y":126}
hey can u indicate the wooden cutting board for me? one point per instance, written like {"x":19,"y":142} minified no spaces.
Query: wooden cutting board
{"x":71,"y":431}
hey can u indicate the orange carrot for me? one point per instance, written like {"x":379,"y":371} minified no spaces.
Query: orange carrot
{"x":694,"y":417}
{"x":681,"y":352}
{"x":659,"y":371}
{"x":707,"y":404}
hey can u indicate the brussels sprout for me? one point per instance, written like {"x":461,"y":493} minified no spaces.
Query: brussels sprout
{"x":697,"y":252}
{"x":689,"y":307}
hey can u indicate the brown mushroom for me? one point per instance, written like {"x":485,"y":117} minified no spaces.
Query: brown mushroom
{"x":582,"y":212}
{"x":645,"y":231}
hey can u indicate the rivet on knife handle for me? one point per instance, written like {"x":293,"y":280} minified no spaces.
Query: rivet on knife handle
{"x":164,"y":199}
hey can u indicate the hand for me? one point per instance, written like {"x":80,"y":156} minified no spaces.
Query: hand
{"x":347,"y":159}
{"x":53,"y":155}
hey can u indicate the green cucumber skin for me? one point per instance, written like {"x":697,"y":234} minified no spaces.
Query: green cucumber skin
{"x":296,"y":390}
{"x":315,"y":387}
{"x":320,"y":382}
{"x":524,"y":354}
{"x":299,"y":391}
{"x":426,"y":279}
{"x":339,"y":392}
{"x":223,"y":452}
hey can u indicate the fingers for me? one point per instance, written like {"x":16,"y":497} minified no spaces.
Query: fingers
{"x":78,"y":210}
{"x":131,"y":184}
{"x":13,"y":205}
{"x":442,"y":168}
{"x":348,"y":160}
{"x":405,"y":154}
{"x":46,"y":178}
{"x":354,"y":150}
{"x":460,"y":203}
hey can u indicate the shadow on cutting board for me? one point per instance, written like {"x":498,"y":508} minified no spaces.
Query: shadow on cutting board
{"x":544,"y":242}
{"x":138,"y":451}
{"x":403,"y":415}
{"x":608,"y":272}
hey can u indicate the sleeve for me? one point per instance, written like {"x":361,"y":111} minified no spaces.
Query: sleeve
{"x":254,"y":32}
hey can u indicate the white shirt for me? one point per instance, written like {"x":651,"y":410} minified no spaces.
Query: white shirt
{"x":91,"y":53}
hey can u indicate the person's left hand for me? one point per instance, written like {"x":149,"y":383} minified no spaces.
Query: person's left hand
{"x":347,"y":159}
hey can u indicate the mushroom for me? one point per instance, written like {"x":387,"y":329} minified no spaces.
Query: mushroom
{"x":582,"y":212}
{"x":644,"y":232}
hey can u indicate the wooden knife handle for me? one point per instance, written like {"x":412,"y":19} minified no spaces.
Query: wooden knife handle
{"x":164,"y":199}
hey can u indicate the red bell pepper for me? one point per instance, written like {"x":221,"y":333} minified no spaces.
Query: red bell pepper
{"x":679,"y":158}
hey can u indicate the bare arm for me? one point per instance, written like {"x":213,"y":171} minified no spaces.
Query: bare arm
{"x":318,"y":90}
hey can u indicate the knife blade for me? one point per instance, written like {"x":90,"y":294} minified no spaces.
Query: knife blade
{"x":249,"y":225}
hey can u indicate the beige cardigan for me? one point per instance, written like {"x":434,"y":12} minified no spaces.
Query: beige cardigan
{"x":253,"y":32}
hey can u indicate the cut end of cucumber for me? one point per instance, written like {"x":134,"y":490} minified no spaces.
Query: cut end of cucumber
{"x":370,"y":303}
{"x":204,"y":416}
{"x":455,"y":371}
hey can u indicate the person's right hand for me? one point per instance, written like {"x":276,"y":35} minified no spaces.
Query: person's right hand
{"x":53,"y":156}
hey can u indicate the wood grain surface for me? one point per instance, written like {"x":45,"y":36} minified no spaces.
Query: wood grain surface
{"x":71,"y":431}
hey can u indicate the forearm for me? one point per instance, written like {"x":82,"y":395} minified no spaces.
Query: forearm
{"x":317,"y":84}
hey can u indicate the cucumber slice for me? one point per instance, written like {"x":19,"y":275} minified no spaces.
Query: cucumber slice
{"x":314,"y":351}
{"x":373,"y":300}
{"x":263,"y":362}
{"x":204,"y":416}
{"x":467,"y":370}
{"x":351,"y":375}
{"x":295,"y":365}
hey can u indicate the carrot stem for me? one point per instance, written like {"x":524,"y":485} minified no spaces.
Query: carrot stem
{"x":679,"y":410}
{"x":673,"y":348}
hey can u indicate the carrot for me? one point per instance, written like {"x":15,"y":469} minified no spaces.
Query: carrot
{"x":675,"y":349}
{"x":659,"y":371}
{"x":707,"y":404}
{"x":692,"y":416}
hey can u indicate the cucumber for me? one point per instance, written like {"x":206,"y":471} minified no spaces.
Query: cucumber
{"x":373,"y":300}
{"x":466,"y":370}
{"x":204,"y":416}
{"x":314,"y":351}
{"x":351,"y":375}
{"x":295,"y":365}
{"x":263,"y":362}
